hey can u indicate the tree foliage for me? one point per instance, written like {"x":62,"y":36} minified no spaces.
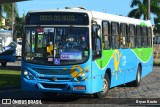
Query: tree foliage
{"x":140,"y":8}
{"x":6,"y":12}
{"x":19,"y":22}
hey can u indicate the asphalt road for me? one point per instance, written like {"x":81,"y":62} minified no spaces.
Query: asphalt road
{"x":148,"y":89}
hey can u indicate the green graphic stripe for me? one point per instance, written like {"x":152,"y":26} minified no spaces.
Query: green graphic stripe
{"x":106,"y":56}
{"x":143,"y":53}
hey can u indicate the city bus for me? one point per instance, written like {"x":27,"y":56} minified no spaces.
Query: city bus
{"x":7,"y":47}
{"x":78,"y":51}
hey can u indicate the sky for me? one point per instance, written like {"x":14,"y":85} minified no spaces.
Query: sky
{"x":121,"y":7}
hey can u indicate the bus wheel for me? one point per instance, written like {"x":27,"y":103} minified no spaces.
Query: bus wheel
{"x":106,"y":85}
{"x":3,"y":64}
{"x":138,"y":77}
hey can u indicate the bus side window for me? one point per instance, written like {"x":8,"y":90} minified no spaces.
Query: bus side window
{"x":138,"y":36}
{"x":123,"y":35}
{"x":132,"y":36}
{"x":106,"y":35}
{"x":115,"y":35}
{"x":149,"y":37}
{"x":144,"y":36}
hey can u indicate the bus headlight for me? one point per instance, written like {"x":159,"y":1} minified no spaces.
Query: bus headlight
{"x":28,"y":75}
{"x":25,"y":73}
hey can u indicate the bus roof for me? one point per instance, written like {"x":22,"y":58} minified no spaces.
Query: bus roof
{"x":122,"y":19}
{"x":100,"y":15}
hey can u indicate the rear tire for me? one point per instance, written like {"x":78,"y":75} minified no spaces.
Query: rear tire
{"x":3,"y":64}
{"x":105,"y":90}
{"x":138,"y":77}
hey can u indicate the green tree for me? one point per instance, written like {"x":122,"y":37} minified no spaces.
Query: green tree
{"x":19,"y":22}
{"x":157,"y":25}
{"x":7,"y":10}
{"x":141,"y":7}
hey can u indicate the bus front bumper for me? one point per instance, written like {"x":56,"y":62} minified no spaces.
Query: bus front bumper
{"x":57,"y":87}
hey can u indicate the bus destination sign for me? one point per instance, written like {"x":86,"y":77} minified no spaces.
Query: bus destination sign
{"x":57,"y":18}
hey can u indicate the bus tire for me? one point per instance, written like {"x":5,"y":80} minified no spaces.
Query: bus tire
{"x":138,"y":77}
{"x":105,"y":90}
{"x":3,"y":64}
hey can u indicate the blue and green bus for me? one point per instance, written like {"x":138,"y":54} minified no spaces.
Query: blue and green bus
{"x":74,"y":50}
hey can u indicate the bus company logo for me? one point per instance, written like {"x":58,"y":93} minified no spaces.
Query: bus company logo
{"x":6,"y":101}
{"x":116,"y":57}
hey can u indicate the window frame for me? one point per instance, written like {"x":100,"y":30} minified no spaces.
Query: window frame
{"x":138,"y":36}
{"x":131,"y":35}
{"x":126,"y":35}
{"x":115,"y":35}
{"x":149,"y":36}
{"x":106,"y":35}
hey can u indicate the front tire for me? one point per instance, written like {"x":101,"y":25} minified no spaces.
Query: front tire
{"x":105,"y":90}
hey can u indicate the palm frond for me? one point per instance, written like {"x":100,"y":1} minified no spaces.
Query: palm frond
{"x":135,"y":3}
{"x":135,"y":13}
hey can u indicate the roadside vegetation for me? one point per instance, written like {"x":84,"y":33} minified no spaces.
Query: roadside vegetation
{"x":9,"y":79}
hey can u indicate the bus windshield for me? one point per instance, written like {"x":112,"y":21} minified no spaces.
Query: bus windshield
{"x":56,"y":45}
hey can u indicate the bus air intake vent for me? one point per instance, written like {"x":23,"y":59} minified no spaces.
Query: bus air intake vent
{"x":75,"y":8}
{"x":60,"y":86}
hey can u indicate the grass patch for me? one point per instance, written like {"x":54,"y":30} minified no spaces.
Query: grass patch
{"x":9,"y":78}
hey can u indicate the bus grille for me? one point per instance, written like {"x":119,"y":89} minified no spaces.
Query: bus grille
{"x":60,"y":86}
{"x":57,"y":79}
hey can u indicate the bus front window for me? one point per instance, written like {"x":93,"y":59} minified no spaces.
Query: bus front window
{"x":56,"y":46}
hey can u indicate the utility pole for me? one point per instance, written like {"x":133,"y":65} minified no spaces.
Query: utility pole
{"x":13,"y":22}
{"x":148,"y":10}
{"x":13,"y":16}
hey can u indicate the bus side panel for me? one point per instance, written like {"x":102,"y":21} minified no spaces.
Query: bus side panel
{"x":147,"y":67}
{"x":123,"y":64}
{"x":97,"y":78}
{"x":128,"y":64}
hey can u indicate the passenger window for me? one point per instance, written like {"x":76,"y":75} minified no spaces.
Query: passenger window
{"x":138,"y":36}
{"x":106,"y":36}
{"x":131,"y":36}
{"x":149,"y":37}
{"x":123,"y":35}
{"x":115,"y":35}
{"x":144,"y":37}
